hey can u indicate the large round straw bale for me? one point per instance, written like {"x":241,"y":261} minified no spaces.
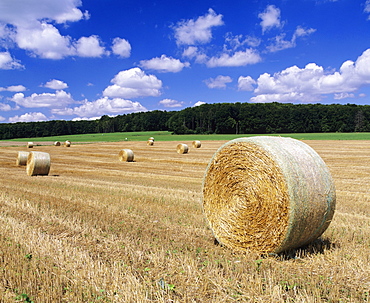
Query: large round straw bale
{"x":197,"y":144}
{"x":126,"y":155}
{"x":22,"y":158}
{"x":56,"y":143}
{"x":267,"y":194}
{"x":67,"y":143}
{"x":30,"y":144}
{"x":182,"y":148}
{"x":38,"y":163}
{"x":150,"y":142}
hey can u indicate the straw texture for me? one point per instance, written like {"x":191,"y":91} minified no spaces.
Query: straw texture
{"x":267,"y":194}
{"x":22,"y":158}
{"x":182,"y":148}
{"x":197,"y":144}
{"x":38,"y":163}
{"x":126,"y":155}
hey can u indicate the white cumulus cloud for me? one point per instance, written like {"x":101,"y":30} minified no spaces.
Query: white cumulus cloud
{"x":13,"y":88}
{"x":164,"y":64}
{"x":59,"y":99}
{"x":270,"y":18}
{"x":7,"y":62}
{"x":28,"y":117}
{"x":171,"y":103}
{"x":240,"y":58}
{"x":192,"y":31}
{"x":90,"y":47}
{"x":121,"y":47}
{"x":133,"y":83}
{"x":102,"y":106}
{"x":218,"y":82}
{"x":310,"y":83}
{"x":56,"y":84}
{"x":30,"y":25}
{"x":199,"y":103}
{"x":246,"y":83}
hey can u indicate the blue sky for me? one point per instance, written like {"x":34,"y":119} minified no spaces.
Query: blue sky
{"x":81,"y":59}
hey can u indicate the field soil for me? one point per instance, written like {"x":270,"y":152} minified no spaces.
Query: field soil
{"x":100,"y":230}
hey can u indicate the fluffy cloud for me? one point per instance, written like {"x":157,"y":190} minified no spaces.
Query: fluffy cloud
{"x":13,"y":88}
{"x":60,"y":98}
{"x":30,"y":26}
{"x":121,"y":47}
{"x":192,"y":52}
{"x":199,"y":103}
{"x":7,"y":62}
{"x":192,"y":31}
{"x":240,"y":58}
{"x":133,"y":83}
{"x":28,"y":117}
{"x":89,"y":47}
{"x":7,"y":107}
{"x":280,"y":44}
{"x":367,"y":8}
{"x":56,"y":84}
{"x":308,"y":84}
{"x":270,"y":18}
{"x":218,"y":82}
{"x":246,"y":83}
{"x":101,"y":107}
{"x":164,"y":64}
{"x":170,"y":103}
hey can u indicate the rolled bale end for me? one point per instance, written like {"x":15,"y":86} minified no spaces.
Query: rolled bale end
{"x":126,"y":155}
{"x":267,"y":194}
{"x":196,"y":144}
{"x":56,"y":143}
{"x":38,"y":164}
{"x":22,"y":158}
{"x":150,"y":142}
{"x":67,"y":143}
{"x":29,"y":144}
{"x":182,"y":148}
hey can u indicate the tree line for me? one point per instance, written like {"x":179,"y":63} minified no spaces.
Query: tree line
{"x":219,"y":118}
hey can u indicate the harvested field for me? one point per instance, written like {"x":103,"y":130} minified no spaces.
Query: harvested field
{"x":100,"y":230}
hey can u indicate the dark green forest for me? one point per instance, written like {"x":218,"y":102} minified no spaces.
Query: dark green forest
{"x":219,"y":118}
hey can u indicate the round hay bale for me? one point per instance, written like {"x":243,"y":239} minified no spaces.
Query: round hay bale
{"x":267,"y":194}
{"x":150,"y":142}
{"x":182,"y":148}
{"x":56,"y":143}
{"x":30,"y":144}
{"x":38,"y":163}
{"x":67,"y":143}
{"x":197,"y":144}
{"x":126,"y":155}
{"x":151,"y":138}
{"x":22,"y":158}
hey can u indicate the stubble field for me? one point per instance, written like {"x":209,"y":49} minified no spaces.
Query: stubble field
{"x":100,"y":230}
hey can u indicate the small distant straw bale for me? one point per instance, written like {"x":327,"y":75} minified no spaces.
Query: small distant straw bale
{"x":22,"y":158}
{"x":67,"y":143}
{"x":182,"y":148}
{"x":267,"y":194}
{"x":126,"y":155}
{"x":56,"y":143}
{"x":151,"y":138}
{"x":197,"y":144}
{"x":38,"y":163}
{"x":150,"y":142}
{"x":30,"y":144}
